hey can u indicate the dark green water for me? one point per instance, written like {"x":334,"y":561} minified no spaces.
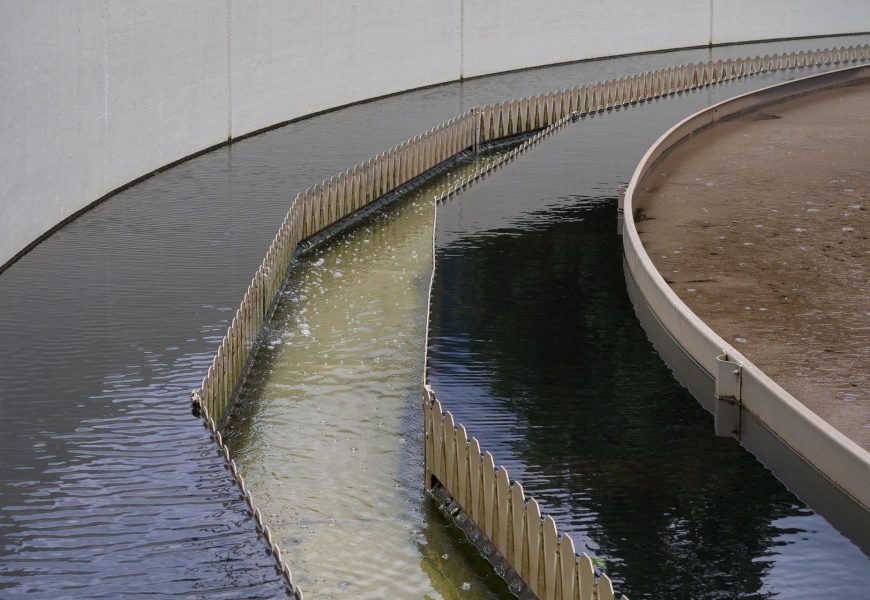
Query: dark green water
{"x":535,"y":347}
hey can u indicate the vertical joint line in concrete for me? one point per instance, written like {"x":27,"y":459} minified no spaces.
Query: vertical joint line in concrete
{"x":711,"y":23}
{"x":229,"y":74}
{"x":461,"y":39}
{"x":105,"y":23}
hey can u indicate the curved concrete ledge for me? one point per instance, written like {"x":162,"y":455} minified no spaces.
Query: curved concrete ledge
{"x":766,"y":419}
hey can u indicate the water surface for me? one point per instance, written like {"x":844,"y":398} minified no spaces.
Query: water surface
{"x":535,"y":348}
{"x":109,"y":487}
{"x":329,"y":429}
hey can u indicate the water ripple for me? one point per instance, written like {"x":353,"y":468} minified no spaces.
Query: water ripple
{"x":535,"y":348}
{"x":323,"y":437}
{"x":109,"y":487}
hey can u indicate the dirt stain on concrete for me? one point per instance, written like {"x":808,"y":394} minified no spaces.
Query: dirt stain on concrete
{"x":760,"y":225}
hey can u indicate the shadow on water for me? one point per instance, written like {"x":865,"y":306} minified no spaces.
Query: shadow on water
{"x":452,"y":563}
{"x":535,"y":348}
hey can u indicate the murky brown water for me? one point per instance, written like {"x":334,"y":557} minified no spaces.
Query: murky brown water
{"x":328,"y":436}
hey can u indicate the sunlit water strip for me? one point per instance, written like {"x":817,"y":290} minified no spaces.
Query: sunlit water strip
{"x":329,"y":434}
{"x":535,"y":348}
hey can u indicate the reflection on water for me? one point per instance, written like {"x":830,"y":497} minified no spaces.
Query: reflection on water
{"x":328,"y":438}
{"x":107,"y":485}
{"x":536,"y":349}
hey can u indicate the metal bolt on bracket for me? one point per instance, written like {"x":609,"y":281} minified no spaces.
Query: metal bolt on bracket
{"x":729,"y":379}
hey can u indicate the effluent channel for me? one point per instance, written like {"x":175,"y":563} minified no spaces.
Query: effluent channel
{"x":328,"y":433}
{"x":111,"y":489}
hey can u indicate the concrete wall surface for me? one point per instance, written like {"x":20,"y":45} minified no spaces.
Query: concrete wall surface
{"x":96,"y":93}
{"x":294,"y":58}
{"x":741,"y":20}
{"x":513,"y":34}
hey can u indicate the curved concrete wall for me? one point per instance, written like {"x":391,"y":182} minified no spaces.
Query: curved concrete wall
{"x":764,"y":407}
{"x":97,"y":93}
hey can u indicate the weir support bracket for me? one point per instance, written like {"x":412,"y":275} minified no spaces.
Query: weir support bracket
{"x":726,"y":415}
{"x":620,"y":206}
